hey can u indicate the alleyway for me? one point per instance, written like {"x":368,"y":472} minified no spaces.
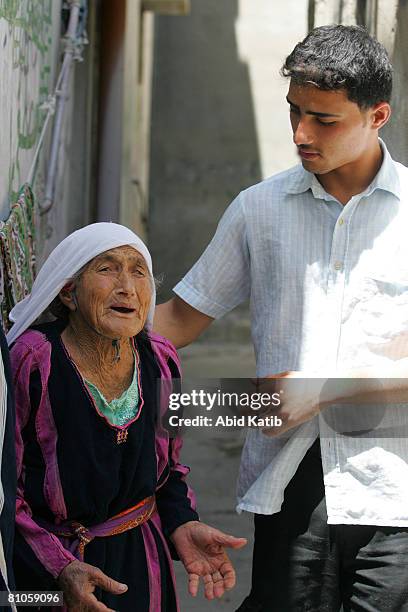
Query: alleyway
{"x":213,"y":455}
{"x":265,"y":34}
{"x":225,"y":350}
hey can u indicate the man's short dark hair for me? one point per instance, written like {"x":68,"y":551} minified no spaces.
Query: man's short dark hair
{"x":342,"y":57}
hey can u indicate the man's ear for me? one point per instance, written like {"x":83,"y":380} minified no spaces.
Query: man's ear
{"x":67,"y":297}
{"x":380,"y":114}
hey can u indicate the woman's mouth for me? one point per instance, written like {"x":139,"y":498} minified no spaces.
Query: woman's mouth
{"x":123,"y":309}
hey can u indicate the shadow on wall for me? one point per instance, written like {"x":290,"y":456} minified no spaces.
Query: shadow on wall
{"x":203,"y":140}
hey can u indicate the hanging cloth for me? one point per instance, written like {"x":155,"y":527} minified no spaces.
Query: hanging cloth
{"x":17,"y":254}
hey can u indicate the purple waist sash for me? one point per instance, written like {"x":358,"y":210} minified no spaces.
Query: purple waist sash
{"x":76,"y":536}
{"x":81,"y":535}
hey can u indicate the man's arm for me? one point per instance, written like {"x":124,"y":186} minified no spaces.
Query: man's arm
{"x":304,"y":394}
{"x":179,"y":322}
{"x":388,"y":384}
{"x":217,"y":283}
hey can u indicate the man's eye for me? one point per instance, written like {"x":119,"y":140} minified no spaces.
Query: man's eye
{"x":104,"y":269}
{"x":327,"y":122}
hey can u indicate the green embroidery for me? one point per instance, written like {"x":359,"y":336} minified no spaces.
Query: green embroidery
{"x":120,"y":410}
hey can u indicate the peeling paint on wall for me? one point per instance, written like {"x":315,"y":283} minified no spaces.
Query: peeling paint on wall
{"x":26,"y":35}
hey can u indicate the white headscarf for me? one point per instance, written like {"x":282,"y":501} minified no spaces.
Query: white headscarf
{"x":66,"y":259}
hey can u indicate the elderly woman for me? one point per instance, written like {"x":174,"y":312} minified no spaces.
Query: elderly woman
{"x":101,"y":494}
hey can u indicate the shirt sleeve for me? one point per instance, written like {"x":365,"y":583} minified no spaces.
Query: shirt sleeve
{"x":220,"y":280}
{"x":46,"y":546}
{"x":175,"y":500}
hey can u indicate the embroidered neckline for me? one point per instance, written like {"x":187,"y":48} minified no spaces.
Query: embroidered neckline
{"x":120,"y":410}
{"x":121,"y":429}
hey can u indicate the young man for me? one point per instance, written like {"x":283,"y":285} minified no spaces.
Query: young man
{"x":321,"y":251}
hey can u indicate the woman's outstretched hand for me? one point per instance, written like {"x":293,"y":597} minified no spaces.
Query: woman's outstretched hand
{"x":78,"y":582}
{"x":202,"y":551}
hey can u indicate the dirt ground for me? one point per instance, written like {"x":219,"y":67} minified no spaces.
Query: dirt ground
{"x":213,"y":455}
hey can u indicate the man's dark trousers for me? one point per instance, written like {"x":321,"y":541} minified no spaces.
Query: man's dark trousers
{"x":302,"y":564}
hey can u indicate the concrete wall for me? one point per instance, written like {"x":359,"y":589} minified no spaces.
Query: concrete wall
{"x":75,"y":182}
{"x":219,"y":118}
{"x":30,"y":35}
{"x":103,"y":154}
{"x":27,"y":68}
{"x":113,"y":16}
{"x":124,"y":113}
{"x":204,"y":144}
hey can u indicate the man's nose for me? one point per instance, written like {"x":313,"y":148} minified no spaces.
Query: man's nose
{"x":302,"y":132}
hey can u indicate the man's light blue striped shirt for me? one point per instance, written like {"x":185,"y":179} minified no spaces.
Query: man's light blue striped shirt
{"x":328,"y":288}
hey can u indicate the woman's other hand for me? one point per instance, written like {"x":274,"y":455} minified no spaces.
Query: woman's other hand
{"x":78,"y":582}
{"x":201,"y":550}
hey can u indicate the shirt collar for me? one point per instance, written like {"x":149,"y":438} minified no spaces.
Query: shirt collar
{"x":387,"y":178}
{"x":301,"y":180}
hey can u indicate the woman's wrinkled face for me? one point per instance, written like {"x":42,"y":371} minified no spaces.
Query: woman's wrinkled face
{"x":113,"y":293}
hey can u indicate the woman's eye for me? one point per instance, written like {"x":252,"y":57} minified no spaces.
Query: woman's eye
{"x":104,"y":269}
{"x":140,"y":272}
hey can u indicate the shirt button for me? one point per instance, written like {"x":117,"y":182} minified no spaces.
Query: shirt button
{"x":341,"y":221}
{"x":338,"y":265}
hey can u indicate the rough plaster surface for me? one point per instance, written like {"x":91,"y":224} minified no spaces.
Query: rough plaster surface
{"x":219,"y":118}
{"x":26,"y":66}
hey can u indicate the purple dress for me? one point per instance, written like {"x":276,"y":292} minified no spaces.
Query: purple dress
{"x":76,"y":468}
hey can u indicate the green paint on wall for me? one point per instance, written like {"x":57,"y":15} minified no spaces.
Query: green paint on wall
{"x":30,"y":36}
